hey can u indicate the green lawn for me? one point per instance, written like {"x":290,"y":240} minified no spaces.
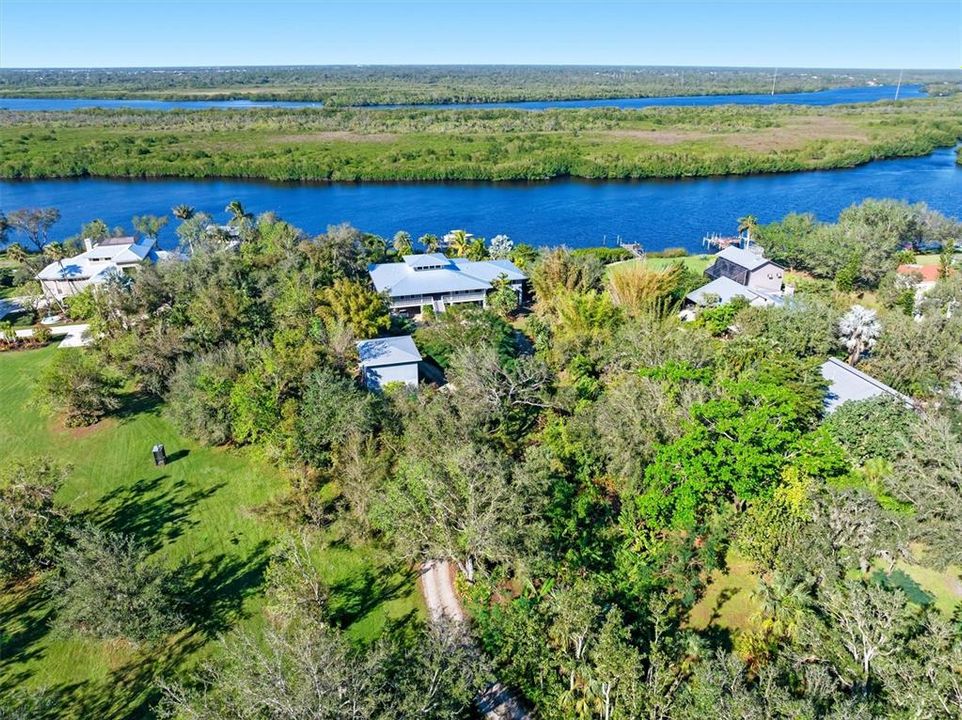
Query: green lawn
{"x":935,"y":259}
{"x":199,"y":509}
{"x":728,"y":603}
{"x":695,"y":263}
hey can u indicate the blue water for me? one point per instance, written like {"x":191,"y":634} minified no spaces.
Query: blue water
{"x":64,"y":104}
{"x":656,"y":213}
{"x":837,"y":96}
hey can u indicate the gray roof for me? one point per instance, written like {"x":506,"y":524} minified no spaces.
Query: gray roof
{"x":727,"y":290}
{"x":745,"y":258}
{"x":847,"y":383}
{"x":388,"y":351}
{"x":437,"y":274}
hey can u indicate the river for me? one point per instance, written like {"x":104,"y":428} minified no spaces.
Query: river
{"x":836,"y":96}
{"x":656,"y":213}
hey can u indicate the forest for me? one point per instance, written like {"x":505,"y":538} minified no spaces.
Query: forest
{"x":374,"y":85}
{"x":649,"y":518}
{"x":374,"y":145}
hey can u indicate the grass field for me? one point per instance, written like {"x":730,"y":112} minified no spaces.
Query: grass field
{"x":728,"y":603}
{"x":935,"y":259}
{"x":358,"y":145}
{"x":200,"y":509}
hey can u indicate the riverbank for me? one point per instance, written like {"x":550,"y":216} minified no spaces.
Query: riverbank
{"x":430,"y":145}
{"x":427,"y":85}
{"x":578,"y":213}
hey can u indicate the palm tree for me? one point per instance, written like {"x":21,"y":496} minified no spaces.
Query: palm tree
{"x":476,"y":249}
{"x":458,"y":242}
{"x":430,"y":242}
{"x":402,"y":243}
{"x":183,"y":212}
{"x":858,"y":330}
{"x":237,"y":211}
{"x":749,"y":226}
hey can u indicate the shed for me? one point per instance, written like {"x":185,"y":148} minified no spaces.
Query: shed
{"x":388,"y":360}
{"x":846,"y":383}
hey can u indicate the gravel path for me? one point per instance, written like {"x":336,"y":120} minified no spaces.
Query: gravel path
{"x":437,"y":586}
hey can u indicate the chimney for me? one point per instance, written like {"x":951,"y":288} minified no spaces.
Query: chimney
{"x":88,"y":244}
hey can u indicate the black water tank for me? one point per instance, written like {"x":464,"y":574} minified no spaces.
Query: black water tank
{"x":160,"y":455}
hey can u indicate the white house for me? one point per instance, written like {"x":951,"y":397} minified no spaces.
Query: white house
{"x":846,"y":383}
{"x":388,"y":360}
{"x":437,"y":281}
{"x":115,"y":255}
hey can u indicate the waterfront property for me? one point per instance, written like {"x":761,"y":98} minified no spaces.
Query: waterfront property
{"x":738,"y":272}
{"x":723,"y":289}
{"x":748,"y":268}
{"x":389,"y":360}
{"x":436,"y":281}
{"x":847,"y":383}
{"x":95,"y":265}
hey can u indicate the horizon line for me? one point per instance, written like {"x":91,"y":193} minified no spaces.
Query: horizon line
{"x":472,"y":65}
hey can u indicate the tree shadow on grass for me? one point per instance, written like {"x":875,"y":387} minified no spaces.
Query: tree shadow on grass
{"x":154,"y":510}
{"x":137,"y":403}
{"x":132,"y":690}
{"x":25,"y":617}
{"x":214,"y":590}
{"x":356,"y":596}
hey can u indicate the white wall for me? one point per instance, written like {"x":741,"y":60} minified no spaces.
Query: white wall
{"x":375,"y":378}
{"x":768,"y":277}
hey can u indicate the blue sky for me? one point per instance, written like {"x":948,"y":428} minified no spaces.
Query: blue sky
{"x":40,"y":33}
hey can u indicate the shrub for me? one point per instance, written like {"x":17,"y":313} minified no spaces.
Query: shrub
{"x":199,"y":399}
{"x":672,"y":252}
{"x":31,"y":524}
{"x":77,"y":384}
{"x":106,"y":587}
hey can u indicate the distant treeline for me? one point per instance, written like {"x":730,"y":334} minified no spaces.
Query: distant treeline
{"x":357,"y":144}
{"x":372,"y":85}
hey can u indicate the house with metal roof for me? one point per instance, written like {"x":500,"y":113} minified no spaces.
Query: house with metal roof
{"x":437,"y":281}
{"x":388,"y":360}
{"x":748,"y":268}
{"x":95,"y":265}
{"x":848,"y":383}
{"x":723,"y":290}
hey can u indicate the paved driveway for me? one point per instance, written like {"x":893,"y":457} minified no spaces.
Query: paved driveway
{"x":73,"y":335}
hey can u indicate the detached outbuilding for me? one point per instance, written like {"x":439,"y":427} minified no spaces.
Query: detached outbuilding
{"x":846,"y":383}
{"x":388,"y":360}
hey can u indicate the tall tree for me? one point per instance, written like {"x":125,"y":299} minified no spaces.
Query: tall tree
{"x":402,"y":243}
{"x":859,"y":329}
{"x":34,"y":224}
{"x":748,"y":225}
{"x":237,"y":212}
{"x":458,"y":242}
{"x":357,"y":305}
{"x":150,"y":225}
